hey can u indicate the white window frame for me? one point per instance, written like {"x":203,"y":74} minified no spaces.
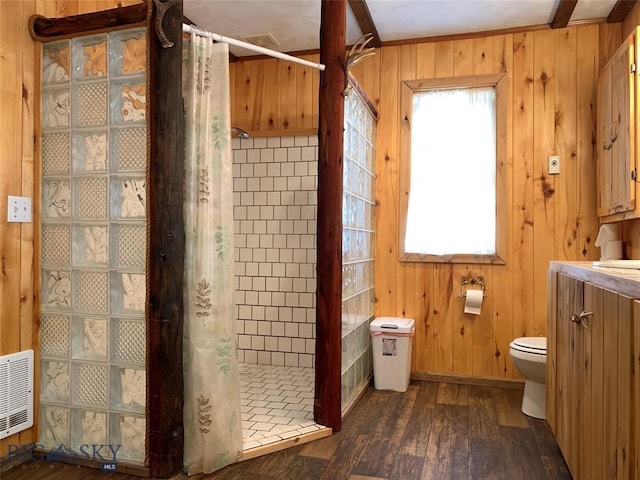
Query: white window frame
{"x":408,"y":87}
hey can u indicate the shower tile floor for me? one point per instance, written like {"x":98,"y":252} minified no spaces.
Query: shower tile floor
{"x":276,"y":403}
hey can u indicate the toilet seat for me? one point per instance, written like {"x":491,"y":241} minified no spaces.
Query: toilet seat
{"x":531,"y":345}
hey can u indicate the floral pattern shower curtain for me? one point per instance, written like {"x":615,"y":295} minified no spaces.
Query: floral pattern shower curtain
{"x":212,"y":422}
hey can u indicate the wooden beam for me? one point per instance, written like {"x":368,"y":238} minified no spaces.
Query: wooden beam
{"x":46,"y":29}
{"x":563,"y":13}
{"x":327,"y":404}
{"x":620,"y":11}
{"x":165,"y":262}
{"x":365,"y":21}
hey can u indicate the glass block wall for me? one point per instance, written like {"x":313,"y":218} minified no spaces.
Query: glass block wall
{"x":94,"y":155}
{"x":357,"y":246}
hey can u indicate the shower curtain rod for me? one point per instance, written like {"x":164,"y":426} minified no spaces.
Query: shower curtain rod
{"x":249,"y":46}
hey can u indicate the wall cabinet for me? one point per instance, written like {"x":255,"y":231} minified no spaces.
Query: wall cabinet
{"x":592,"y":385}
{"x":617,"y":107}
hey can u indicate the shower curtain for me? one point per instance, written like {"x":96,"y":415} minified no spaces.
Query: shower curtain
{"x":212,"y":422}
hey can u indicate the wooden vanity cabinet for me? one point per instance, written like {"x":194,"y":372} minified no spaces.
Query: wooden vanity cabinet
{"x":565,"y":357}
{"x":592,"y":397}
{"x":635,"y":370}
{"x":616,"y":136}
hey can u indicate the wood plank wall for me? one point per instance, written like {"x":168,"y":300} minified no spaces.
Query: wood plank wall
{"x":274,"y":97}
{"x":19,"y":171}
{"x":552,"y":76}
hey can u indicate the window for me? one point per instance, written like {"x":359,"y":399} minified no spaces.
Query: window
{"x":453,"y":149}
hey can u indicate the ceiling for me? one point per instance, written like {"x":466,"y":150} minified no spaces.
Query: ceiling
{"x":295,"y":24}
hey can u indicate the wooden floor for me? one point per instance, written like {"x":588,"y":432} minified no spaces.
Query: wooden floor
{"x":433,"y":431}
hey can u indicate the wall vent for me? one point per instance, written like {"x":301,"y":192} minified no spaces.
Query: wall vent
{"x":16,"y":392}
{"x":265,"y":40}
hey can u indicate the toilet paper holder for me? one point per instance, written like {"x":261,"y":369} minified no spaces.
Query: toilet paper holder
{"x":471,"y":280}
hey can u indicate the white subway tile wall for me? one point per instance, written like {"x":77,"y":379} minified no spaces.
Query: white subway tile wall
{"x":275,"y":200}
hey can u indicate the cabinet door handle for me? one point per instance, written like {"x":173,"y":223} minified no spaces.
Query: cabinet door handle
{"x":578,"y":318}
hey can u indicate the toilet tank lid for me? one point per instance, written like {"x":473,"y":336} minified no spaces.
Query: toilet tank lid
{"x":392,"y":324}
{"x":537,"y":343}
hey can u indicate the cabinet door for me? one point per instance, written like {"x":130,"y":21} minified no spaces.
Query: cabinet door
{"x":569,"y":354}
{"x":603,"y":142}
{"x":616,"y":133}
{"x":635,"y":381}
{"x":614,"y":414}
{"x":593,"y":381}
{"x":592,"y":417}
{"x":625,"y":386}
{"x":552,"y":321}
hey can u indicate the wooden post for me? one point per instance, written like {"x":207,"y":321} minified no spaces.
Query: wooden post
{"x":327,"y":405}
{"x":165,"y":191}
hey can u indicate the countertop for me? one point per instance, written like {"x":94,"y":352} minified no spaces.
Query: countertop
{"x":620,"y":280}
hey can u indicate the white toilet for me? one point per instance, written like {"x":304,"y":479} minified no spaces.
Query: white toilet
{"x":529,"y":355}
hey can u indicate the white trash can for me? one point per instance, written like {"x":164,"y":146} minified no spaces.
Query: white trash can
{"x":391,"y":339}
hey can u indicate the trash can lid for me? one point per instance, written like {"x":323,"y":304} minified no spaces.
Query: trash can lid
{"x":392,"y":325}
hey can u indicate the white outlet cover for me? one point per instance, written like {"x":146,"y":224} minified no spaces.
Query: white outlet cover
{"x":554,"y":164}
{"x":19,"y":209}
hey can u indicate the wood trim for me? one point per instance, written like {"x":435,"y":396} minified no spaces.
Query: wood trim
{"x":9,"y":463}
{"x":48,"y":29}
{"x":282,"y":133}
{"x":444,"y":38}
{"x":502,"y":199}
{"x":563,"y":13}
{"x":460,"y":258}
{"x":485,"y":33}
{"x":620,"y":11}
{"x":362,"y":390}
{"x":406,"y":109}
{"x":408,"y":87}
{"x":467,"y":81}
{"x":37,"y":234}
{"x":462,"y":380}
{"x":328,"y":386}
{"x":550,"y":367}
{"x":363,"y":95}
{"x":365,"y":21}
{"x":165,"y":244}
{"x":288,"y":443}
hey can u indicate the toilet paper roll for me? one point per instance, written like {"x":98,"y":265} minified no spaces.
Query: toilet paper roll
{"x":607,"y":233}
{"x":473,"y":302}
{"x":613,"y":250}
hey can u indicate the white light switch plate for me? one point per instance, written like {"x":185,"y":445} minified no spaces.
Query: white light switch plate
{"x":19,"y":209}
